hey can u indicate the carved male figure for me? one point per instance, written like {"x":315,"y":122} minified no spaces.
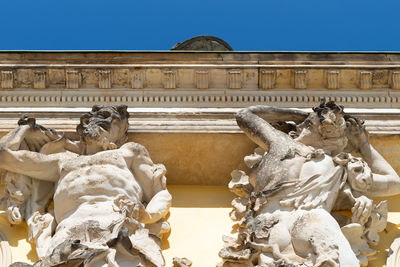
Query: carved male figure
{"x":110,"y":199}
{"x":309,"y":169}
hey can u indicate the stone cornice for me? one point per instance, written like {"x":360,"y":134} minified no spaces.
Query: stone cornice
{"x":182,"y":120}
{"x":278,"y":65}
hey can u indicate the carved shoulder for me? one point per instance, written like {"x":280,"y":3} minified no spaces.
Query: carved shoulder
{"x":150,"y":176}
{"x":135,"y":154}
{"x":136,"y":149}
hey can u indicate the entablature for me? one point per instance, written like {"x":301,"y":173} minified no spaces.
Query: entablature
{"x":179,"y":91}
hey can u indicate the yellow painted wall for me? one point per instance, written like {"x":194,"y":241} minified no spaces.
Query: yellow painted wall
{"x":199,"y":217}
{"x":21,"y":249}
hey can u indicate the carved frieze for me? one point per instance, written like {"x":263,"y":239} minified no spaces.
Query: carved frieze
{"x":73,"y":78}
{"x":332,"y":79}
{"x":235,"y":79}
{"x":300,"y":79}
{"x":217,"y":88}
{"x":267,"y":79}
{"x":137,"y":79}
{"x":396,"y":79}
{"x":104,"y":79}
{"x":54,"y":78}
{"x":202,"y":79}
{"x":39,"y":79}
{"x":169,"y":79}
{"x":365,"y":79}
{"x":7,"y":79}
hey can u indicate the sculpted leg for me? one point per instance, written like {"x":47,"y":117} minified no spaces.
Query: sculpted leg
{"x":316,"y":233}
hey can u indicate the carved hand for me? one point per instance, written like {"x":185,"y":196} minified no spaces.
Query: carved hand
{"x":357,"y":135}
{"x":36,"y":136}
{"x":361,"y":210}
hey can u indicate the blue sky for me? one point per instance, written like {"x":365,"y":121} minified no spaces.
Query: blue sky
{"x":247,"y":25}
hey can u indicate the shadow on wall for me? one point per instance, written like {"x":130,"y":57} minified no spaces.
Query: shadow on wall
{"x":197,"y":159}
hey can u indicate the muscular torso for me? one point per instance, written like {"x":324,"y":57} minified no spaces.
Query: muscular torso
{"x":93,"y":179}
{"x":273,"y":174}
{"x":274,"y":171}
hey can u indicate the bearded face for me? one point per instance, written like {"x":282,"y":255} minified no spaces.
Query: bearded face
{"x":331,"y":124}
{"x":332,"y":129}
{"x":105,"y":126}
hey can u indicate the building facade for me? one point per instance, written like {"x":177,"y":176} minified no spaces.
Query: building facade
{"x":182,"y":106}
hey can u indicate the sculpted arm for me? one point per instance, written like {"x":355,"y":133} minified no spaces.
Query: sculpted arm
{"x":255,"y":122}
{"x":28,"y":135}
{"x":385,"y":181}
{"x":32,"y":164}
{"x":14,"y":138}
{"x":153,"y":182}
{"x":158,"y":207}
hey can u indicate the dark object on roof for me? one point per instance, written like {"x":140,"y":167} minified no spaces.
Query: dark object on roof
{"x":203,"y":43}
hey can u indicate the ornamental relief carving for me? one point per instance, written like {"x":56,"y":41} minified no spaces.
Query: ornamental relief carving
{"x":108,"y":76}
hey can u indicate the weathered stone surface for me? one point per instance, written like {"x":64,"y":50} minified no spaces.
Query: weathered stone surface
{"x":297,"y":178}
{"x":110,"y":199}
{"x":20,"y":264}
{"x":181,"y":262}
{"x":366,"y":80}
{"x":203,"y":43}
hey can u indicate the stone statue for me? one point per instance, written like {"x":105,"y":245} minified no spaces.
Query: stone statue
{"x":110,"y":199}
{"x":307,"y":166}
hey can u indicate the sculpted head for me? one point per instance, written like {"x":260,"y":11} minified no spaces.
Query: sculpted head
{"x":324,"y":128}
{"x":359,"y":175}
{"x":105,"y":127}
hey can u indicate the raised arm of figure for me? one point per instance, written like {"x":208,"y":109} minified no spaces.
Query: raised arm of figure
{"x":32,"y":164}
{"x":385,"y":181}
{"x":152,"y":179}
{"x":255,"y":121}
{"x":14,"y":138}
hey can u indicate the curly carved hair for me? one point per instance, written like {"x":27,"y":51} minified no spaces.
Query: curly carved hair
{"x":103,"y":116}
